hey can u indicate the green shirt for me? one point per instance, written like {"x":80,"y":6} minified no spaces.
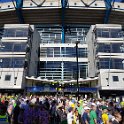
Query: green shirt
{"x":92,"y":116}
{"x":80,"y":109}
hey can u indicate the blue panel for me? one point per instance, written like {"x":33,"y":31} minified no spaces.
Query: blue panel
{"x":108,"y":10}
{"x":19,"y":3}
{"x":119,"y":1}
{"x":35,"y":89}
{"x":4,"y":1}
{"x":63,"y":33}
{"x":74,"y":89}
{"x":88,"y":89}
{"x":63,"y":4}
{"x":20,"y":16}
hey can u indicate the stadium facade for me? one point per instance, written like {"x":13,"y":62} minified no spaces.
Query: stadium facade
{"x":60,"y":24}
{"x":106,"y":57}
{"x":18,"y":55}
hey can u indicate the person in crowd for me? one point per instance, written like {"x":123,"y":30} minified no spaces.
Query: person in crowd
{"x":70,"y":116}
{"x":80,"y":109}
{"x":55,"y":119}
{"x":99,"y":114}
{"x":44,"y":116}
{"x":16,"y":112}
{"x":35,"y":113}
{"x":3,"y":114}
{"x":118,"y":118}
{"x":86,"y":115}
{"x":62,"y":114}
{"x":28,"y":114}
{"x":47,"y":104}
{"x":93,"y":115}
{"x":44,"y":109}
{"x":105,"y":117}
{"x":21,"y":116}
{"x":10,"y":111}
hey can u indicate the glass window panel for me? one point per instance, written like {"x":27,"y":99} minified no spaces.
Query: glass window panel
{"x":108,"y":33}
{"x":57,"y":52}
{"x":115,"y":78}
{"x":43,"y":52}
{"x":5,"y":62}
{"x":19,"y":33}
{"x":50,"y":52}
{"x":105,"y":33}
{"x":54,"y":69}
{"x":111,"y":63}
{"x":7,"y":77}
{"x":13,"y":47}
{"x":12,"y":62}
{"x":6,"y":47}
{"x":19,"y":47}
{"x":99,"y":32}
{"x":18,"y":62}
{"x":115,"y":33}
{"x":113,"y":48}
{"x":16,"y":32}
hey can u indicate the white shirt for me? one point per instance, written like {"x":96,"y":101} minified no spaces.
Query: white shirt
{"x":70,"y":118}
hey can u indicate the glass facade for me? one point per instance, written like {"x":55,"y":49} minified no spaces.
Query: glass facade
{"x":13,"y":62}
{"x":63,"y":51}
{"x":50,"y":35}
{"x":54,"y":34}
{"x":110,"y":63}
{"x":107,"y":33}
{"x":13,"y":47}
{"x":110,"y":47}
{"x":15,"y":32}
{"x":76,"y":34}
{"x":62,"y":70}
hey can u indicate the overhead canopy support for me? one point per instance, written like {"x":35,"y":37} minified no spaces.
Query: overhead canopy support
{"x":64,"y":5}
{"x":18,"y":7}
{"x":108,"y":4}
{"x":38,"y":5}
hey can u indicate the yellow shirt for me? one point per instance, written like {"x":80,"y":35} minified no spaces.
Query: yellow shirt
{"x":122,"y":104}
{"x":105,"y":118}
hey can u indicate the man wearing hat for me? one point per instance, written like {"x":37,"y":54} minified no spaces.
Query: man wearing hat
{"x":93,"y":115}
{"x":86,"y":117}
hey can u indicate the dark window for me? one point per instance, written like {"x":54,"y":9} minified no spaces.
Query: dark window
{"x":19,"y":47}
{"x":115,"y":78}
{"x":13,"y":47}
{"x":106,"y":63}
{"x":107,"y":32}
{"x":17,"y":62}
{"x":7,"y":77}
{"x":16,"y":32}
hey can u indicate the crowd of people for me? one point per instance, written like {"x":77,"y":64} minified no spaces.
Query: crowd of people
{"x":59,"y":110}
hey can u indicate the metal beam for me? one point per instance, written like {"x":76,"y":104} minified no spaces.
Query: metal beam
{"x":38,"y":5}
{"x":63,"y":5}
{"x":108,"y":4}
{"x":19,"y":5}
